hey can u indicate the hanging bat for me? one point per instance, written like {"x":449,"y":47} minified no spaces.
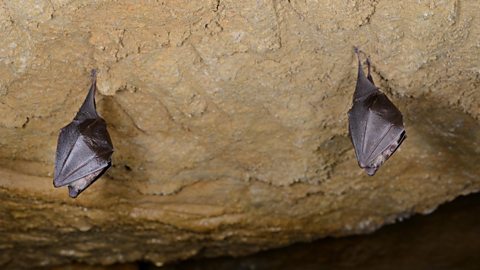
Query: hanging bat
{"x":375,"y":125}
{"x":84,"y":148}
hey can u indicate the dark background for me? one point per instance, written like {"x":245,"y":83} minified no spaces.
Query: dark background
{"x":449,"y":238}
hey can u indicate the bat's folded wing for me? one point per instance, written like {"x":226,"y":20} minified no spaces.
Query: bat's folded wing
{"x":381,"y":135}
{"x":81,"y":162}
{"x":384,"y":107}
{"x":66,"y":142}
{"x":97,"y":137}
{"x":375,"y":124}
{"x":357,"y":125}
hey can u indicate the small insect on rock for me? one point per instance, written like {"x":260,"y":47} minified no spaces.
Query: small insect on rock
{"x":375,"y":125}
{"x":84,"y":148}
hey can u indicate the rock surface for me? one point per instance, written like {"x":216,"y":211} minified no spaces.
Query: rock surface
{"x":229,"y":122}
{"x":442,"y":240}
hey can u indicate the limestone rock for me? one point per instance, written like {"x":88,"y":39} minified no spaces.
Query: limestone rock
{"x":229,"y":122}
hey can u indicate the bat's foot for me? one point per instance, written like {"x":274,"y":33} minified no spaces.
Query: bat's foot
{"x":93,"y":74}
{"x":358,"y":52}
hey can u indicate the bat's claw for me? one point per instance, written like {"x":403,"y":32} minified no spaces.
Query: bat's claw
{"x":358,"y":52}
{"x":93,"y":73}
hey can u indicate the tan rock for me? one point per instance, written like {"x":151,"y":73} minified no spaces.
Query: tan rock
{"x":229,"y":122}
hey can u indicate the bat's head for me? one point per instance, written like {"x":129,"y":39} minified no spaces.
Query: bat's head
{"x":371,"y":170}
{"x":372,"y":167}
{"x":76,"y":187}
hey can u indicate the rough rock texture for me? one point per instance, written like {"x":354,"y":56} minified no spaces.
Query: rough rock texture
{"x":229,"y":122}
{"x":446,"y":239}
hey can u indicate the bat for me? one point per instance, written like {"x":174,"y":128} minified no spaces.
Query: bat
{"x":375,"y":125}
{"x":84,"y":148}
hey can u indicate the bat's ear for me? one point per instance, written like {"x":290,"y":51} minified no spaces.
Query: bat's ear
{"x":88,"y":109}
{"x":365,"y":86}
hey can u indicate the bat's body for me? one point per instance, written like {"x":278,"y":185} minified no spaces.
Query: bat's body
{"x":375,"y":124}
{"x":84,"y":148}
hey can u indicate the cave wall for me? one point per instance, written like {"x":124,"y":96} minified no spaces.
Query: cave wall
{"x":229,"y":122}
